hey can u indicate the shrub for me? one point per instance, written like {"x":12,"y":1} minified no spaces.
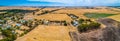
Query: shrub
{"x":65,"y":23}
{"x":83,"y":27}
{"x":21,"y":34}
{"x":81,"y":20}
{"x":88,"y":20}
{"x":94,"y":25}
{"x":26,"y":31}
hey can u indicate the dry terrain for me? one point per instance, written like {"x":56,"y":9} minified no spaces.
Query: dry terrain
{"x":47,"y":33}
{"x":57,"y":33}
{"x":115,"y":17}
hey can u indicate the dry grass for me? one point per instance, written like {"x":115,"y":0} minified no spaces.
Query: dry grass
{"x":57,"y":33}
{"x":80,"y":12}
{"x":115,"y":17}
{"x":47,"y":33}
{"x":49,"y":9}
{"x":57,"y":17}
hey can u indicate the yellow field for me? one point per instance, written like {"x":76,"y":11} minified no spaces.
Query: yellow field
{"x":115,"y":17}
{"x":79,"y":12}
{"x":47,"y":33}
{"x":57,"y":17}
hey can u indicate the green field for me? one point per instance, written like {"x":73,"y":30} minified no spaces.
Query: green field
{"x":98,"y":15}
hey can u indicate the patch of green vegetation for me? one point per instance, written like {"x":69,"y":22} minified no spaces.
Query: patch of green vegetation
{"x":65,"y":23}
{"x":85,"y":27}
{"x":9,"y":34}
{"x":98,"y":15}
{"x":87,"y":24}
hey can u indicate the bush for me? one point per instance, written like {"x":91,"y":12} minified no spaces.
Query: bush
{"x":21,"y":35}
{"x":6,"y":32}
{"x":94,"y":25}
{"x":81,"y":20}
{"x":65,"y":23}
{"x":88,"y":20}
{"x":26,"y":31}
{"x":83,"y":27}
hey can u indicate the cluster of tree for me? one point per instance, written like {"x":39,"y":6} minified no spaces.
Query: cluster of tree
{"x":25,"y":32}
{"x":11,"y":16}
{"x":9,"y":31}
{"x":87,"y":24}
{"x":20,"y":11}
{"x":29,"y":23}
{"x":9,"y":34}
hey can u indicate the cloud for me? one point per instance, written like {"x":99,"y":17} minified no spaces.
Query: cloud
{"x":82,"y":2}
{"x":59,"y":1}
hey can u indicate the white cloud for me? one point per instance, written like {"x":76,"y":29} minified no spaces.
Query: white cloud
{"x":82,"y":2}
{"x":60,"y":1}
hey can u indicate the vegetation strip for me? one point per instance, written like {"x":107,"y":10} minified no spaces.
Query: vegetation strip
{"x":98,"y":15}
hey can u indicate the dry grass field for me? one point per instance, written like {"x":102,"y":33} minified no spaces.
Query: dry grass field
{"x":52,"y":17}
{"x":57,"y":33}
{"x":79,"y":12}
{"x":47,"y":33}
{"x":115,"y":17}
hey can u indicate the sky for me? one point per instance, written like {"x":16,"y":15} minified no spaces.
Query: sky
{"x":59,"y":2}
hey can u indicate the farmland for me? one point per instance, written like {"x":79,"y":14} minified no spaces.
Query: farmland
{"x":51,"y":24}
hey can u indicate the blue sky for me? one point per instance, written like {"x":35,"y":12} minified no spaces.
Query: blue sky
{"x":60,"y":2}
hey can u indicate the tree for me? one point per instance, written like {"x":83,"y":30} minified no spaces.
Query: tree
{"x":83,"y":27}
{"x":65,"y":23}
{"x":45,"y":11}
{"x":94,"y":25}
{"x":81,"y":20}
